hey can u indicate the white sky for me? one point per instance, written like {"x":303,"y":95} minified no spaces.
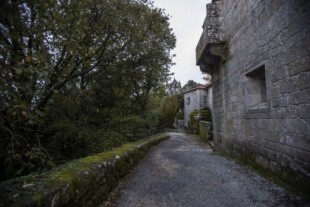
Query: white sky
{"x":186,"y":22}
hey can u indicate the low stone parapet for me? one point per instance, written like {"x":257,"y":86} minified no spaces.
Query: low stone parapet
{"x":83,"y":182}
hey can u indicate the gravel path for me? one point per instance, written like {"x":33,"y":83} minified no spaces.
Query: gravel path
{"x":182,"y":172}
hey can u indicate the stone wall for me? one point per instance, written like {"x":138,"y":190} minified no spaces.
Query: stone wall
{"x":83,"y":182}
{"x":261,"y":89}
{"x":209,"y":98}
{"x":205,"y":130}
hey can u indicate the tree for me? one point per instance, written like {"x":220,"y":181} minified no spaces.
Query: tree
{"x":190,"y":85}
{"x":56,"y":54}
{"x":170,"y":108}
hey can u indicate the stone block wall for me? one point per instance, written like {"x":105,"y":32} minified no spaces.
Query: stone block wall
{"x":205,"y":130}
{"x":261,"y":93}
{"x":84,"y":182}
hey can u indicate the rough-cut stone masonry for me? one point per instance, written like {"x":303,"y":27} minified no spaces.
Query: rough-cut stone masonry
{"x":84,"y":182}
{"x":261,"y":80}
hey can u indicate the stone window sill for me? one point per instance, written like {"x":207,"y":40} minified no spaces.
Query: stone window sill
{"x":261,"y":108}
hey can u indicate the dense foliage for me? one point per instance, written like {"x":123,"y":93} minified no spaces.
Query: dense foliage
{"x":195,"y":116}
{"x":169,"y":109}
{"x":76,"y":77}
{"x":190,"y":85}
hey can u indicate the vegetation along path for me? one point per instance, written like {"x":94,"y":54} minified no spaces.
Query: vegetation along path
{"x":182,"y":172}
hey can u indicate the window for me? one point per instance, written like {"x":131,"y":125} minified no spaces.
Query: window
{"x":188,"y":102}
{"x":204,"y":99}
{"x":255,"y":88}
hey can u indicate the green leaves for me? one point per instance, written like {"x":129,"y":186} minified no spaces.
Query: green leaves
{"x":18,"y":71}
{"x":75,"y":71}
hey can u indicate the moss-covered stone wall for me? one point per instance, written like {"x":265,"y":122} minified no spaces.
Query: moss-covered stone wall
{"x":84,"y":182}
{"x":205,"y":130}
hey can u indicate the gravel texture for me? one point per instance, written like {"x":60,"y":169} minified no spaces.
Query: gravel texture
{"x":182,"y":172}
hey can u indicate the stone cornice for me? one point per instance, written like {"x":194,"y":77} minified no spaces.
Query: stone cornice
{"x":211,"y":50}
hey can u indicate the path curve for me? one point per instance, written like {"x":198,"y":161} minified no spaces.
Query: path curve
{"x":182,"y":172}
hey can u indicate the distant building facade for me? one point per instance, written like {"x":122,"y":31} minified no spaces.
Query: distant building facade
{"x":197,"y":98}
{"x":258,"y":53}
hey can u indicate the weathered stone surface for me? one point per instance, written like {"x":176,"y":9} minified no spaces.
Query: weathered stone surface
{"x":84,"y":182}
{"x":211,"y":49}
{"x":275,"y":131}
{"x":205,"y":130}
{"x":262,"y":161}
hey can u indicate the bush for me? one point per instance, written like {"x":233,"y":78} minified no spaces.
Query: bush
{"x":169,"y":109}
{"x":180,"y":115}
{"x":196,"y":116}
{"x":131,"y":127}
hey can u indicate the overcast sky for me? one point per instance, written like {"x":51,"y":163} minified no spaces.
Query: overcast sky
{"x":186,"y":22}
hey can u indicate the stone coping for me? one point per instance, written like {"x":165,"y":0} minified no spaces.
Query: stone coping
{"x":83,"y":182}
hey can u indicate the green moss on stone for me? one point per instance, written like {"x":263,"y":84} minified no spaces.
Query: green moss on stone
{"x":203,"y":131}
{"x":89,"y":178}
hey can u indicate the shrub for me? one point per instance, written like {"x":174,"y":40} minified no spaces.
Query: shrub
{"x":180,"y":115}
{"x":196,"y":116}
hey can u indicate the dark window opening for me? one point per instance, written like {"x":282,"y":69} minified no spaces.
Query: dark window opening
{"x":204,"y":99}
{"x":255,"y":88}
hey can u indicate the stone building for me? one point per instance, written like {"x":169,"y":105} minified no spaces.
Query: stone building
{"x":258,"y":53}
{"x":197,"y":98}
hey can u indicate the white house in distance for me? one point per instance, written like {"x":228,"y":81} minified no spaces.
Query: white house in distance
{"x":197,"y":98}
